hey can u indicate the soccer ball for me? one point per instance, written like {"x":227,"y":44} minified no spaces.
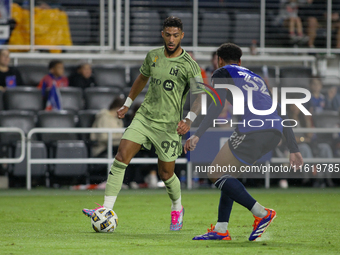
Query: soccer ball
{"x":104,"y":220}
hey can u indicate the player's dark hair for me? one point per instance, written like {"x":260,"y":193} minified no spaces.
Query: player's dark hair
{"x":53,"y":63}
{"x":173,"y":21}
{"x":116,"y":103}
{"x":229,"y":52}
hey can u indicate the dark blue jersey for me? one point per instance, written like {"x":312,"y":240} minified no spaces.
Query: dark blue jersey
{"x":262,"y":100}
{"x":246,"y":80}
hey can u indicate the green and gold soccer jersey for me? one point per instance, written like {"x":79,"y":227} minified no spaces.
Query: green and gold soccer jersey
{"x":169,"y":85}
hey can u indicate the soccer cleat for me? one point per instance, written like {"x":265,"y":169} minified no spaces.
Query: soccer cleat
{"x":177,"y":220}
{"x":89,"y":212}
{"x":261,"y":224}
{"x":213,"y":235}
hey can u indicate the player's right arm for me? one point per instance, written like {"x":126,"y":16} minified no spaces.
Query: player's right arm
{"x":137,"y":86}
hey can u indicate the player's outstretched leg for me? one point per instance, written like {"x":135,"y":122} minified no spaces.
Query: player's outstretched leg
{"x":126,"y":151}
{"x":212,"y":234}
{"x":261,"y":224}
{"x":113,"y":186}
{"x":235,"y":190}
{"x":173,"y":187}
{"x":220,"y":230}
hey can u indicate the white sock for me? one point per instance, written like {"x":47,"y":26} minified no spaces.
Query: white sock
{"x":221,"y":227}
{"x":176,"y":205}
{"x":258,"y":210}
{"x":109,"y":201}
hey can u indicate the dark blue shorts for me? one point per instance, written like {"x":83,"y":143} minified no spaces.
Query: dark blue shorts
{"x":250,"y":147}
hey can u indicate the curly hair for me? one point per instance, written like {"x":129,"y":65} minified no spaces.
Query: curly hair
{"x":229,"y":52}
{"x":173,"y":21}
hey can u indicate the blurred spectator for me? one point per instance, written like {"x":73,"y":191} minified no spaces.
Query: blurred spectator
{"x":317,"y":102}
{"x":288,"y":17}
{"x":214,"y":64}
{"x":293,"y":21}
{"x":315,"y":16}
{"x":82,"y":78}
{"x":309,"y":145}
{"x":204,"y":74}
{"x":50,"y":83}
{"x":107,"y":118}
{"x":9,"y":76}
{"x":332,"y":100}
{"x":55,"y":76}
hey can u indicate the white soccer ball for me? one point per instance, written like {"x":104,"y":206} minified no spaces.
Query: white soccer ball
{"x":104,"y":220}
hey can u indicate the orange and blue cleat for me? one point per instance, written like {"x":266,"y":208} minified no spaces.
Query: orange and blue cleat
{"x":213,"y":235}
{"x":261,"y":224}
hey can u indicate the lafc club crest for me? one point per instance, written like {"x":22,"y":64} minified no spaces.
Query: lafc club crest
{"x":154,"y":61}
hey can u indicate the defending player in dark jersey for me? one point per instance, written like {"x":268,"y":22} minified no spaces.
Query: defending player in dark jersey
{"x":246,"y":145}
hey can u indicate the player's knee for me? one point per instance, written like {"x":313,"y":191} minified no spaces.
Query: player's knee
{"x":121,"y":156}
{"x":164,"y":175}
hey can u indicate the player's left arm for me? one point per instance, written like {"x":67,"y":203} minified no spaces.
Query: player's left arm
{"x":295,"y":157}
{"x":195,"y":76}
{"x":185,"y":124}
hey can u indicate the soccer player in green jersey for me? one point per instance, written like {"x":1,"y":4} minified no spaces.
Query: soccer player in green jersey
{"x":159,"y":119}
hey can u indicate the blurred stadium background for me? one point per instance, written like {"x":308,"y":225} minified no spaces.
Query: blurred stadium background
{"x":114,"y":37}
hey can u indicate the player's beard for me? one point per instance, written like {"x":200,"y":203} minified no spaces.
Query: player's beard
{"x":170,"y":52}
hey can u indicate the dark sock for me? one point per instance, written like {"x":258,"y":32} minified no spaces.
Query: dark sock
{"x":235,"y":190}
{"x":224,"y":208}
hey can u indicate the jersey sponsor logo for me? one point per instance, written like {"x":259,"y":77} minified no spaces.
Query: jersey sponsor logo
{"x":174,"y":71}
{"x":154,"y":62}
{"x":155,"y":81}
{"x":168,"y":85}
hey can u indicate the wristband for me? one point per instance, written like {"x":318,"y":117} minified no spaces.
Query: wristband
{"x":191,"y":116}
{"x":128,"y":102}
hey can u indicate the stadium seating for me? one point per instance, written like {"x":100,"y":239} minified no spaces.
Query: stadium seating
{"x":326,"y":119}
{"x":69,"y":70}
{"x":1,"y":100}
{"x":145,"y":25}
{"x":23,"y":98}
{"x":59,"y":119}
{"x":106,"y":76}
{"x":98,"y":98}
{"x":209,"y":33}
{"x":86,"y":119}
{"x":247,"y":28}
{"x":70,"y":149}
{"x":21,"y":119}
{"x":38,"y":151}
{"x":187,"y":21}
{"x":296,"y":76}
{"x":134,"y":72}
{"x":71,"y":98}
{"x":32,"y":74}
{"x":80,"y":26}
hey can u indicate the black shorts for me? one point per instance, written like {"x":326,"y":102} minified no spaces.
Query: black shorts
{"x":248,"y":148}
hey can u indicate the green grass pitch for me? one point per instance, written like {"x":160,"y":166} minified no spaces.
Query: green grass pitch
{"x":50,"y":221}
